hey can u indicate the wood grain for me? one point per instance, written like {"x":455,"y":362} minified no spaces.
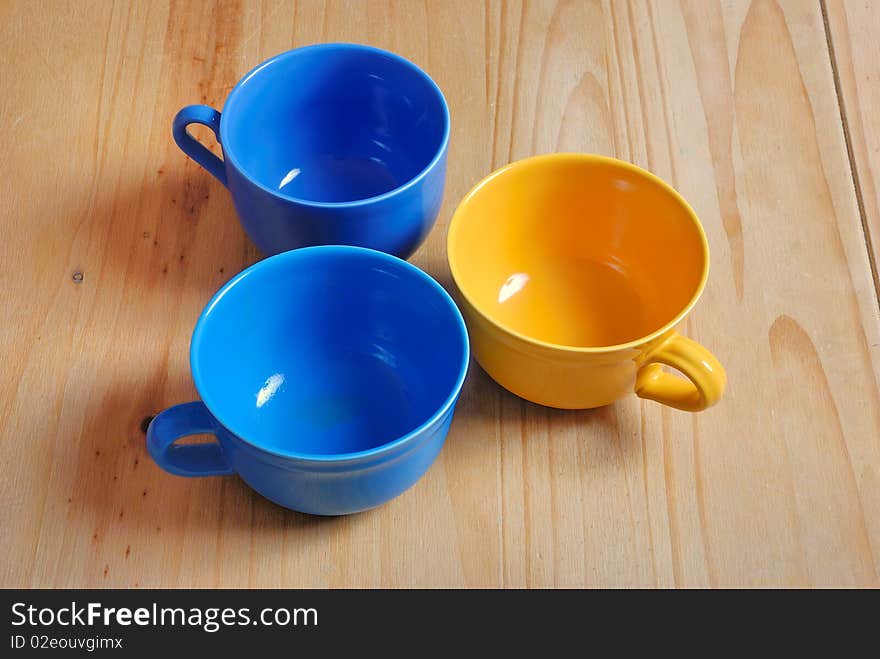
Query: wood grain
{"x":734,"y":103}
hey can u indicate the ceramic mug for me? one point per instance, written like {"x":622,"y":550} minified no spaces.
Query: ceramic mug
{"x":574,"y":271}
{"x":328,"y":377}
{"x":329,"y":144}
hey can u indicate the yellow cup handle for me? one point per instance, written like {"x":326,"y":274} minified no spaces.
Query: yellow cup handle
{"x":705,"y":375}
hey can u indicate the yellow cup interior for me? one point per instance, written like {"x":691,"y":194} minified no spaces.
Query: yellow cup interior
{"x":577,"y":250}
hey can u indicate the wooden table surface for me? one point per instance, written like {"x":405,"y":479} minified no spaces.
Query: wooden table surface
{"x":764,"y":114}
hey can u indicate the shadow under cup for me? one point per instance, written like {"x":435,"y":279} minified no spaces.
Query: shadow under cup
{"x":331,"y":373}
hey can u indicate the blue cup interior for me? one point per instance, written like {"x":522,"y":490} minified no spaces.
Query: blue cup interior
{"x":327,"y":351}
{"x":334,"y":123}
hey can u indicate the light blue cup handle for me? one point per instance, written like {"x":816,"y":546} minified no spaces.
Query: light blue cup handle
{"x":207,"y":116}
{"x":187,"y":459}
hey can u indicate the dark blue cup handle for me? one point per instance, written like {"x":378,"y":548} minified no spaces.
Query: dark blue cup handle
{"x":186,"y":459}
{"x":207,"y":116}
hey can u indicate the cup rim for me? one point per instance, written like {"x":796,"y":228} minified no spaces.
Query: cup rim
{"x":288,"y":54}
{"x":331,"y":250}
{"x":576,"y":157}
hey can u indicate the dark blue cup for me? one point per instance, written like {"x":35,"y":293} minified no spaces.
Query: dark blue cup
{"x":329,"y":144}
{"x":328,"y":376}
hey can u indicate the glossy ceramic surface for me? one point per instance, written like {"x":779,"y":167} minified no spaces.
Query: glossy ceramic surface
{"x":328,"y":375}
{"x":330,"y":144}
{"x":574,"y":270}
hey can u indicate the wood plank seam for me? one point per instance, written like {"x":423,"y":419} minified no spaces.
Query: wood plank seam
{"x":847,"y":136}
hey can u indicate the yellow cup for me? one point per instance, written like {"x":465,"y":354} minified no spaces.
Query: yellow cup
{"x":574,"y":271}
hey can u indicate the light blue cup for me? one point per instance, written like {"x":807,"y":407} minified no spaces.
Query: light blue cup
{"x":329,"y":144}
{"x":328,"y":376}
